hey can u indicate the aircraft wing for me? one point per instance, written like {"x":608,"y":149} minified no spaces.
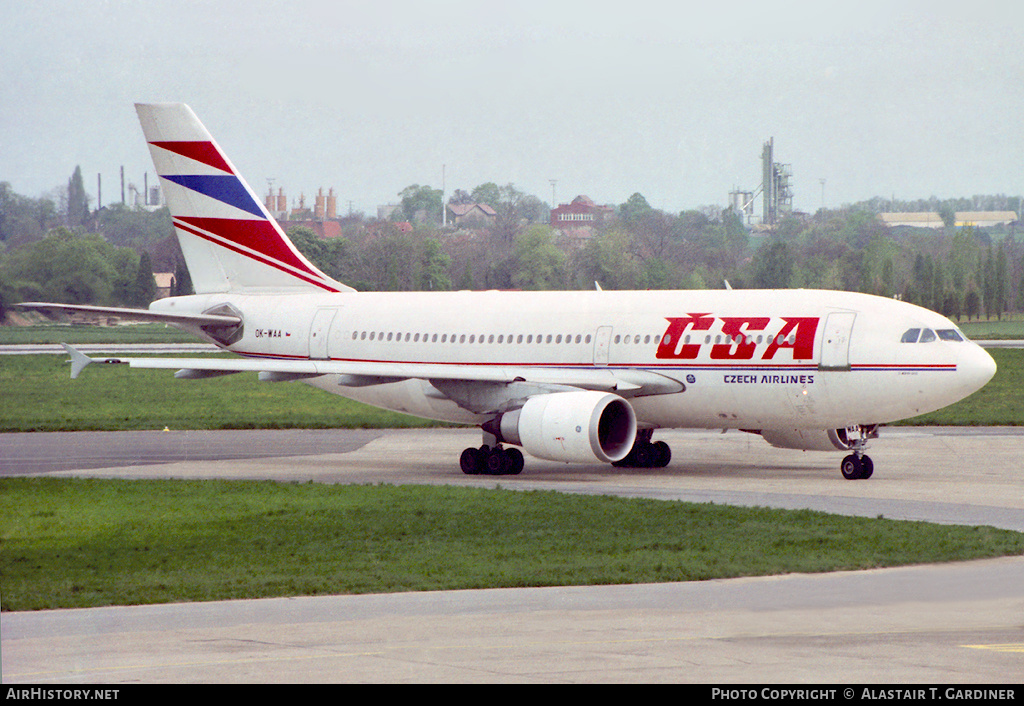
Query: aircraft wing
{"x":627,"y":382}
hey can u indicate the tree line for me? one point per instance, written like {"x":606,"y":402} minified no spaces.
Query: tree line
{"x":55,"y":249}
{"x":960,"y":272}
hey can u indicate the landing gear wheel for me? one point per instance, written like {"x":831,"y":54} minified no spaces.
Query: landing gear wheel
{"x":663,"y":454}
{"x":645,"y":454}
{"x":515,"y":461}
{"x":491,"y":461}
{"x":851,"y":467}
{"x":856,"y":467}
{"x":496,"y":462}
{"x":469,"y":461}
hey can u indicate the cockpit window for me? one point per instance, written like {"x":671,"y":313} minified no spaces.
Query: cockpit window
{"x":911,"y":335}
{"x":927,"y":336}
{"x":949,"y":334}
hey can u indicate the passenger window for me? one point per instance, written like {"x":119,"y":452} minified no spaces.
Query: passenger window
{"x":927,"y":336}
{"x":910,"y":336}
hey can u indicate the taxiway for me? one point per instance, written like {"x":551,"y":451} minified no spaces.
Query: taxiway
{"x":947,"y":623}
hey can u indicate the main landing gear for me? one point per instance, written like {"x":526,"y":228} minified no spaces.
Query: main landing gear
{"x":646,"y":454}
{"x":492,"y":461}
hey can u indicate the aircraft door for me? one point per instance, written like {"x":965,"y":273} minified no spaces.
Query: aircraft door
{"x":319,"y":333}
{"x":835,"y":340}
{"x":602,"y":341}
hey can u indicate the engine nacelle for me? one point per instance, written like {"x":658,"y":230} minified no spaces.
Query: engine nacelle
{"x":808,"y":439}
{"x":574,"y":427}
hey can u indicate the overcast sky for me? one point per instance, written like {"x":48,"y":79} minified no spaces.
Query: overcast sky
{"x":670,"y":99}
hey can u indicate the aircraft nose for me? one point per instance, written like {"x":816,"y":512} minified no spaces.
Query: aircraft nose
{"x":976,"y":367}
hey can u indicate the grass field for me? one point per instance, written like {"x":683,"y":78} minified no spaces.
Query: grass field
{"x":66,"y":333}
{"x":1009,"y":327}
{"x":39,"y":395}
{"x":87,"y":542}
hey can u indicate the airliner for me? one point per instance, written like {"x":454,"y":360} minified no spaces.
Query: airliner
{"x":574,"y":377}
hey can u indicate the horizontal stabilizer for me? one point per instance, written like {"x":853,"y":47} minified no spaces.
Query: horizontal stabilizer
{"x":134,"y":314}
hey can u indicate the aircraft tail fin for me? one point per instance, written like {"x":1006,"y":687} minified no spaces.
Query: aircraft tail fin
{"x":229,"y":240}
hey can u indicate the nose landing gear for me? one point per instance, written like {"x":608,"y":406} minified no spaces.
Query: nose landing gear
{"x":858,"y":465}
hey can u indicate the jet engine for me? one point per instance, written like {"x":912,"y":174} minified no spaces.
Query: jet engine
{"x":574,"y":427}
{"x":809,"y":439}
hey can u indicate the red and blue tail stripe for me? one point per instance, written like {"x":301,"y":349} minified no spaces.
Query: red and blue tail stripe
{"x":229,"y":241}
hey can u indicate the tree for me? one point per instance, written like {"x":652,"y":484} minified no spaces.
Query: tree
{"x":65,"y":267}
{"x":539,"y":264}
{"x":489,"y":193}
{"x":434,"y":263}
{"x":144,"y":287}
{"x":78,"y":203}
{"x":989,"y":279}
{"x":607,"y":260}
{"x":1001,"y":282}
{"x":972,"y":304}
{"x":634,"y":210}
{"x":773,"y":266}
{"x":736,"y":237}
{"x":421,"y":204}
{"x":947,"y":212}
{"x":182,"y":284}
{"x":137,"y":227}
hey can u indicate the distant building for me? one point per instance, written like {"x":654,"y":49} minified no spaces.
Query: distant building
{"x":472,"y":215}
{"x":930,"y":219}
{"x":325,"y":208}
{"x":581,"y":213}
{"x":164,"y":284}
{"x":323,"y":229}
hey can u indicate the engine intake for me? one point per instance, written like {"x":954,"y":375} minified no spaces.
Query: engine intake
{"x":574,"y":427}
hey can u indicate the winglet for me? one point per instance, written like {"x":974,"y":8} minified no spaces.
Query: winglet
{"x":78,"y":360}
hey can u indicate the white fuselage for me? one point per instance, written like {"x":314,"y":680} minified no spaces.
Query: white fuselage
{"x":745,"y":359}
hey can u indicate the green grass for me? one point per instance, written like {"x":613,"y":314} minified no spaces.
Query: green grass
{"x":89,"y":542}
{"x":1011,"y":326}
{"x":38,"y":395}
{"x":75,"y":335}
